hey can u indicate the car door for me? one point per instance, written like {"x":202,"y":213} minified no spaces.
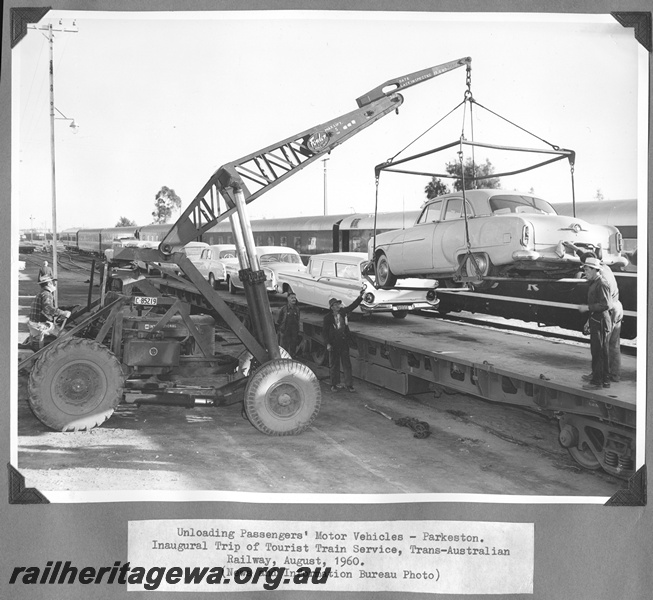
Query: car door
{"x":322,"y":288}
{"x":202,"y":263}
{"x":417,"y":249}
{"x":303,"y":284}
{"x":449,"y":239}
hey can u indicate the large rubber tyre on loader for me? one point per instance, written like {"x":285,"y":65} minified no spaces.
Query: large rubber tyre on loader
{"x":76,"y":385}
{"x":282,"y":397}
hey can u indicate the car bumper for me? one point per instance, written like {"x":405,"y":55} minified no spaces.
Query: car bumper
{"x":410,"y":307}
{"x":554,"y":257}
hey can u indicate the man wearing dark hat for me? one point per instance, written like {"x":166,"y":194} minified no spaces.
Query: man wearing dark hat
{"x":43,"y":312}
{"x":599,"y":305}
{"x":616,"y":312}
{"x":335,"y":330}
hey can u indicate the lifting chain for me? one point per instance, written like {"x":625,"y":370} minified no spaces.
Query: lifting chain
{"x":468,"y":82}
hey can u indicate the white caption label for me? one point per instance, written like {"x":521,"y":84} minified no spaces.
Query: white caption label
{"x":445,"y":557}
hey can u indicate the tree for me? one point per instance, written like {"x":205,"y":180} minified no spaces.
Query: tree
{"x":435,"y":188}
{"x":599,"y":196}
{"x":125,"y":222}
{"x":165,"y":201}
{"x":473,"y":170}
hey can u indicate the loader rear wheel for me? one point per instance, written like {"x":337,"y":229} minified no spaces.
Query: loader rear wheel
{"x":282,"y":397}
{"x":76,"y":385}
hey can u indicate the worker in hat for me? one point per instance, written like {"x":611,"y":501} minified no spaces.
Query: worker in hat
{"x":599,"y":305}
{"x":43,"y":312}
{"x":617,"y":314}
{"x":45,"y":271}
{"x":335,"y":330}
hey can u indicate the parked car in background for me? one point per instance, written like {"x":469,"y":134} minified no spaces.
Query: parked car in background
{"x":510,"y":234}
{"x":273,"y":260}
{"x":212,"y":261}
{"x":193,"y":250}
{"x":342,"y":275}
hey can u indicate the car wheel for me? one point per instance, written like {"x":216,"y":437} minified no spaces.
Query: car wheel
{"x":231,"y":286}
{"x":212,"y":280}
{"x":399,"y":314}
{"x":384,"y":276}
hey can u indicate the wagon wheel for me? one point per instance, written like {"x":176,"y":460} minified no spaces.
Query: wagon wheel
{"x":282,"y":397}
{"x":319,"y":354}
{"x":585,"y":457}
{"x":384,"y":276}
{"x":75,"y":385}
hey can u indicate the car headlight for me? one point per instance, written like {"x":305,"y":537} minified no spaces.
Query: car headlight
{"x":369,"y":297}
{"x":430,"y":295}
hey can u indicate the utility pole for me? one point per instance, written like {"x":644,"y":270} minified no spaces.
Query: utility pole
{"x":51,"y":29}
{"x":324,"y":160}
{"x":31,"y":228}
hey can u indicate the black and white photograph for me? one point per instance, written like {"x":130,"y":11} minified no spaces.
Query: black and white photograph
{"x":424,"y":286}
{"x":319,"y":257}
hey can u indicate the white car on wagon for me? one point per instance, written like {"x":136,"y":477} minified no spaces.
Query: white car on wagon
{"x":341,"y":275}
{"x":273,"y":260}
{"x":213,"y":260}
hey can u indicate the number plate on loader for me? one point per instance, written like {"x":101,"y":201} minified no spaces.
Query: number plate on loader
{"x":145,"y":301}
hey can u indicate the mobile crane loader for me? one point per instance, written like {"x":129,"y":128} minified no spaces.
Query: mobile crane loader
{"x":131,"y":345}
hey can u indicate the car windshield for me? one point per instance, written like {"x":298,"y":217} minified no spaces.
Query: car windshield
{"x":501,"y":205}
{"x":227,"y":254}
{"x":280,"y":257}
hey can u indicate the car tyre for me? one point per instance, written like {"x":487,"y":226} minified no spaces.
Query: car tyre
{"x":385,"y":278}
{"x":212,"y":281}
{"x":231,"y":286}
{"x":399,"y":314}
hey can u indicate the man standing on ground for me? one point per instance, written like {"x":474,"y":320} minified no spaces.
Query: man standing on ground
{"x":336,"y":333}
{"x":45,"y":271}
{"x":599,"y":305}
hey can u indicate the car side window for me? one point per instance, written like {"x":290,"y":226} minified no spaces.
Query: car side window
{"x":315,"y":268}
{"x":346,"y":271}
{"x":431,"y":212}
{"x":328,"y":268}
{"x":455,"y":209}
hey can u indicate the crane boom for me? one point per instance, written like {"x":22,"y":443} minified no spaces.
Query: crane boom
{"x":260,"y":171}
{"x":238,"y":183}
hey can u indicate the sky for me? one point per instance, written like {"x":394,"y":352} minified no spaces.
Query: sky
{"x":164,"y":99}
